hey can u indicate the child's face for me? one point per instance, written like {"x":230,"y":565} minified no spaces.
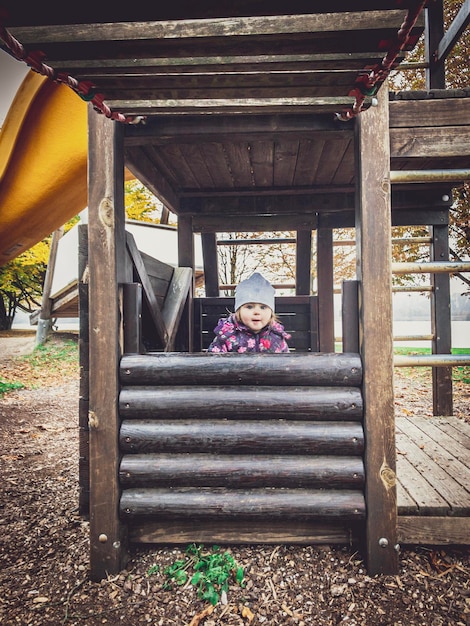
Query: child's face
{"x":255,"y":315}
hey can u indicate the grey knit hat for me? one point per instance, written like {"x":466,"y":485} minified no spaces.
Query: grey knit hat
{"x":254,"y":289}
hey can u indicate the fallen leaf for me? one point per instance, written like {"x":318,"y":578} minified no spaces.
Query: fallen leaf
{"x":200,"y":616}
{"x":248,"y":614}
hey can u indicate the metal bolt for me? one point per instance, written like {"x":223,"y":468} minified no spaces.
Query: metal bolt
{"x":383,"y":542}
{"x":103,"y":538}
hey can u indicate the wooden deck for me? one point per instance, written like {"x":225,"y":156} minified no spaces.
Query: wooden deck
{"x":433,"y":470}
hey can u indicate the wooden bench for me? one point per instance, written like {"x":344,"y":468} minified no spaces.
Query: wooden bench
{"x":298,"y":314}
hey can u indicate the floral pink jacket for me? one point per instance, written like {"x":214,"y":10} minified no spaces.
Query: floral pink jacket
{"x":233,"y":336}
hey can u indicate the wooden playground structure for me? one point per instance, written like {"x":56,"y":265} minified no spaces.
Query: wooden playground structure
{"x":252,"y":120}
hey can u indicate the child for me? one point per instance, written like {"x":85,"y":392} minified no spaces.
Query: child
{"x":253,"y":327}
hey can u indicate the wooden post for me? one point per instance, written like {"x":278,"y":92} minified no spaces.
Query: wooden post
{"x":184,"y":339}
{"x":303,"y":261}
{"x":441,"y":323}
{"x":132,"y":317}
{"x":108,"y":265}
{"x":373,"y":237}
{"x":325,"y":289}
{"x":435,"y":72}
{"x":84,"y":356}
{"x":44,"y":321}
{"x":350,"y":316}
{"x":211,"y":266}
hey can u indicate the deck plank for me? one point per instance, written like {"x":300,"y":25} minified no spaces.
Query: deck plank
{"x":456,"y":428}
{"x":444,"y":450}
{"x":428,"y":472}
{"x":411,"y":481}
{"x":444,"y":441}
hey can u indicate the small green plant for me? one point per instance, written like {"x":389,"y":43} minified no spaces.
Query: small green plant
{"x":6,"y":386}
{"x":209,"y":572}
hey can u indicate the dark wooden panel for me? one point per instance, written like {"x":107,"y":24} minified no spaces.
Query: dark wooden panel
{"x":256,"y":503}
{"x":247,"y":437}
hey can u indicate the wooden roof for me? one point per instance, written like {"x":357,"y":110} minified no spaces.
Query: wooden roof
{"x":230,"y":99}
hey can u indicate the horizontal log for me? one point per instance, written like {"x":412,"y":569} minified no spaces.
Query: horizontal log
{"x":240,"y":471}
{"x":326,"y":403}
{"x":273,"y":437}
{"x":236,"y":531}
{"x":241,"y":369}
{"x":253,"y":503}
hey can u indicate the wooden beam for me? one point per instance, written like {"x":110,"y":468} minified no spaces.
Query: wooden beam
{"x":373,"y":237}
{"x":128,"y":66}
{"x":146,"y":171}
{"x":204,"y":29}
{"x":424,"y":530}
{"x":256,"y":205}
{"x":435,"y":112}
{"x":222,"y":128}
{"x":252,"y":223}
{"x":449,"y":141}
{"x":235,"y":532}
{"x":107,"y":270}
{"x":220,"y":106}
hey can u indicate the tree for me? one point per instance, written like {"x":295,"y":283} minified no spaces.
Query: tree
{"x":457,"y":76}
{"x":237,"y":261}
{"x":141,"y":204}
{"x":21,"y":282}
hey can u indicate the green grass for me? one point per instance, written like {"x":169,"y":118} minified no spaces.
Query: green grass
{"x":53,"y":354}
{"x":6,"y":386}
{"x":53,"y":363}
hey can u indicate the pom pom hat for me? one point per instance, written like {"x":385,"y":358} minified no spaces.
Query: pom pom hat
{"x":254,"y":289}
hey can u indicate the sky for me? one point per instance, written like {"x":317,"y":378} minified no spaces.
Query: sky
{"x":12,"y":73}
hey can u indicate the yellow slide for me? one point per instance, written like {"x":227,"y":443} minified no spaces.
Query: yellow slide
{"x":43,"y":163}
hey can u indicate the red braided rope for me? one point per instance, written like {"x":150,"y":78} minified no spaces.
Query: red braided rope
{"x":365,"y":84}
{"x":85,"y":89}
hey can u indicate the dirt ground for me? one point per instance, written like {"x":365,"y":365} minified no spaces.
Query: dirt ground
{"x":44,"y":544}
